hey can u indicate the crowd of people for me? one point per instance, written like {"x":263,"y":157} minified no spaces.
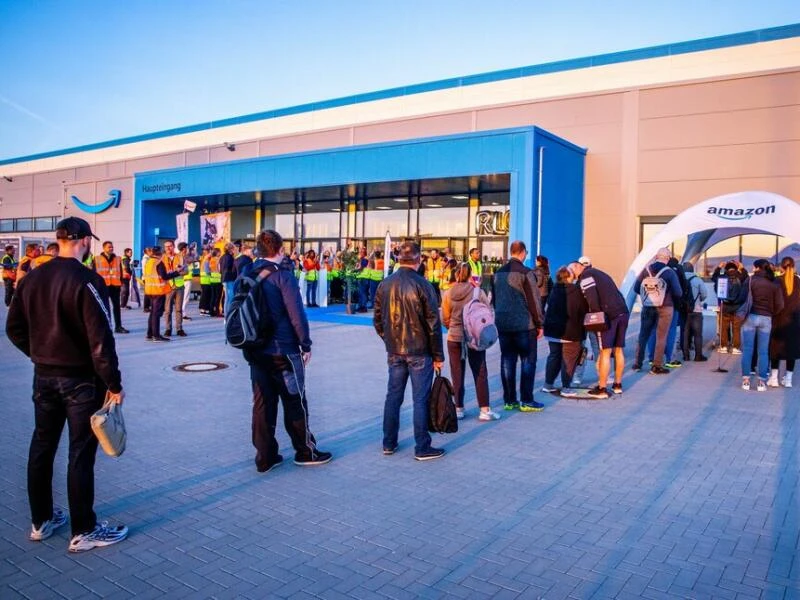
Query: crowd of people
{"x":60,"y":315}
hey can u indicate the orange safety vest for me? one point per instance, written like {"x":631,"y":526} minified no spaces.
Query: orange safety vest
{"x":153,"y":284}
{"x":173,"y":264}
{"x":40,"y":260}
{"x":111,"y":272}
{"x":22,"y":272}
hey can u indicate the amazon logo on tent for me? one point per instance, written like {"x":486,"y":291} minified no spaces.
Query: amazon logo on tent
{"x":739,"y":214}
{"x":113,"y":199}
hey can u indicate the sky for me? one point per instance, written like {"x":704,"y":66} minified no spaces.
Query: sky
{"x":84,"y":71}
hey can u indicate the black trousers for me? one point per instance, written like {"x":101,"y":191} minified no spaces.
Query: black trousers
{"x":57,"y":400}
{"x":563,"y":357}
{"x":477,"y":364}
{"x":156,"y":311}
{"x":693,"y":334}
{"x":114,"y":292}
{"x":279,"y":377}
{"x":9,"y":285}
{"x":214,"y":299}
{"x":205,"y":298}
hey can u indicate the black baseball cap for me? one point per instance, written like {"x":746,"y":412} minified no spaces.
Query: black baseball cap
{"x":73,"y":228}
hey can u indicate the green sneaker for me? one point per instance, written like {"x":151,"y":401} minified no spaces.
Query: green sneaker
{"x":512,"y":406}
{"x":534,"y":406}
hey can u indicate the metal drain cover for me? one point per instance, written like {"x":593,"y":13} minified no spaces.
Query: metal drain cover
{"x":200,"y":367}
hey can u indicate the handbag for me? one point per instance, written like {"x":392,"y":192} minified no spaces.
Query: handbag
{"x":595,"y":321}
{"x":109,"y":427}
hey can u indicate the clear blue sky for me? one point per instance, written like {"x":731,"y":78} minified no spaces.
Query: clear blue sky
{"x":82,"y":71}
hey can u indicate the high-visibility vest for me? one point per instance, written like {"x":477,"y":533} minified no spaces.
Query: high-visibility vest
{"x":445,"y":283}
{"x":377,"y":272}
{"x":40,"y":260}
{"x":205,"y":278}
{"x":173,"y":264}
{"x":9,"y":267}
{"x":22,"y":269}
{"x":111,"y":272}
{"x":89,"y":261}
{"x":311,"y":269}
{"x":216,"y":276}
{"x":477,"y":270}
{"x":433,"y":270}
{"x":365,"y":273}
{"x":153,"y":284}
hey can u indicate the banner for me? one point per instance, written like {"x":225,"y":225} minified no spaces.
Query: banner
{"x":215,"y":228}
{"x":182,"y":226}
{"x":189,"y":205}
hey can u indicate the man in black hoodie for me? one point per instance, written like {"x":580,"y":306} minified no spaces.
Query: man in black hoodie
{"x":59,"y":318}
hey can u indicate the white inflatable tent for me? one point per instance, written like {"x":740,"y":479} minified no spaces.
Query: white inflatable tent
{"x":715,"y":220}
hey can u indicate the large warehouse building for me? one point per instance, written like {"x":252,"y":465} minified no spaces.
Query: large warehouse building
{"x":585,"y":156}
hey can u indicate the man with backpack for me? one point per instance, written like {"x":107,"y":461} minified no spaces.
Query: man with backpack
{"x":693,"y":329}
{"x":661,"y":291}
{"x":682,"y":307}
{"x":279,"y":357}
{"x":407,"y":320}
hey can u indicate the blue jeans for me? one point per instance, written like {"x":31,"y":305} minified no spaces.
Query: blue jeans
{"x":363,"y":294}
{"x":59,"y":400}
{"x":756,"y":327}
{"x":517,"y":345}
{"x":228,"y":285}
{"x":311,"y":292}
{"x":671,"y":335}
{"x":420,"y":369}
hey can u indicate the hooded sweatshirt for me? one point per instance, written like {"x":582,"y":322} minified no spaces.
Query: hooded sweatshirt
{"x":453,"y":302}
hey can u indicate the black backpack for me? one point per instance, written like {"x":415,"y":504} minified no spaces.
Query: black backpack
{"x":249,"y":324}
{"x":442,"y":410}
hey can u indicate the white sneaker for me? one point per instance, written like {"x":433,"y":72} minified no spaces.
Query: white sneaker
{"x":459,"y":413}
{"x":101,"y":535}
{"x":549,"y":389}
{"x":773,"y":380}
{"x":746,"y":384}
{"x":722,"y":350}
{"x":787,"y":380}
{"x":576,"y":381}
{"x":569,"y":392}
{"x":47,"y":528}
{"x":761,"y":387}
{"x":736,"y":351}
{"x":488,"y":415}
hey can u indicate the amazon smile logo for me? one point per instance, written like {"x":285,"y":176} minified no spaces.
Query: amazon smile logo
{"x":740,"y":214}
{"x":113,"y":199}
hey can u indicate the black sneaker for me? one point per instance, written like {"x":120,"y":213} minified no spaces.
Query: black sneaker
{"x":181,"y":333}
{"x":313,"y":459}
{"x":673,"y":364}
{"x":598,"y":392}
{"x":636,"y":367}
{"x":149,"y":338}
{"x":120,"y":330}
{"x":658,"y":370}
{"x":700,"y":358}
{"x":534,"y":406}
{"x":160,"y":338}
{"x":430,"y":454}
{"x":185,"y":318}
{"x":617,"y":388}
{"x":267,"y":468}
{"x":168,"y":332}
{"x":389,"y":451}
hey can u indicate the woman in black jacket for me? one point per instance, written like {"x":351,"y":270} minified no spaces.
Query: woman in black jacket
{"x":784,"y":341}
{"x":563,"y":329}
{"x":766,"y":302}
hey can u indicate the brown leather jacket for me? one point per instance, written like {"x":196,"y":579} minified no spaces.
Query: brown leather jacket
{"x":407,"y":315}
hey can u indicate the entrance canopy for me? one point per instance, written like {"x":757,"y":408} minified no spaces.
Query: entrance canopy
{"x":715,"y":220}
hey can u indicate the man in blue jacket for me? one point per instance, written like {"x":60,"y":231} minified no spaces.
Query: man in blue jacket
{"x":277,"y":370}
{"x":654,"y":315}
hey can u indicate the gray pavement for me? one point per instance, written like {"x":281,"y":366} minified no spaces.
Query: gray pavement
{"x":685,"y":486}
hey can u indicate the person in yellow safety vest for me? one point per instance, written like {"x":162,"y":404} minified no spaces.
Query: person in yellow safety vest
{"x":476,"y":266}
{"x":109,"y":266}
{"x":216,"y":283}
{"x":376,"y":275}
{"x":32,"y":251}
{"x":147,"y":255}
{"x":156,"y":287}
{"x":448,"y":275}
{"x":173,"y":302}
{"x":49,"y":254}
{"x":362,"y":272}
{"x":311,"y":267}
{"x":205,"y":282}
{"x":9,"y":264}
{"x":433,"y":271}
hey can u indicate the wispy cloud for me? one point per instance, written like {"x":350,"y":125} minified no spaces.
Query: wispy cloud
{"x":27,"y":112}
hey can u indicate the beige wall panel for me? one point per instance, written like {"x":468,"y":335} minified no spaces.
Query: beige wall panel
{"x":603,"y":168}
{"x":16,"y":203}
{"x":426,"y":127}
{"x":670,"y":198}
{"x":243,"y":151}
{"x":116,"y":169}
{"x":606,"y":108}
{"x":165,"y":161}
{"x":54,"y":177}
{"x":335,"y":138}
{"x":718,"y":96}
{"x":197,"y":157}
{"x":92,"y":172}
{"x":716,"y":129}
{"x":601,"y":138}
{"x":776,"y":159}
{"x":48,"y":200}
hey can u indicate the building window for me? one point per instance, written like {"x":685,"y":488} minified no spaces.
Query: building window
{"x":6,"y":225}
{"x":24,"y":225}
{"x":44,"y":223}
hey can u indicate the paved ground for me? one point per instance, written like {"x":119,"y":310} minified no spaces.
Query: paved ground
{"x":685,"y":486}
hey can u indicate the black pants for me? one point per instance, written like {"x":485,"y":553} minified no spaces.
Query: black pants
{"x":156,"y":311}
{"x":693,"y":335}
{"x":9,"y":285}
{"x":563,"y":357}
{"x":477,"y":364}
{"x":57,"y":400}
{"x":214,"y":299}
{"x":273,"y":377}
{"x":114,"y":292}
{"x":147,"y":302}
{"x":205,"y":298}
{"x":775,"y":364}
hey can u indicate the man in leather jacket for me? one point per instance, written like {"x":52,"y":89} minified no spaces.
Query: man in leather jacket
{"x":407,"y":319}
